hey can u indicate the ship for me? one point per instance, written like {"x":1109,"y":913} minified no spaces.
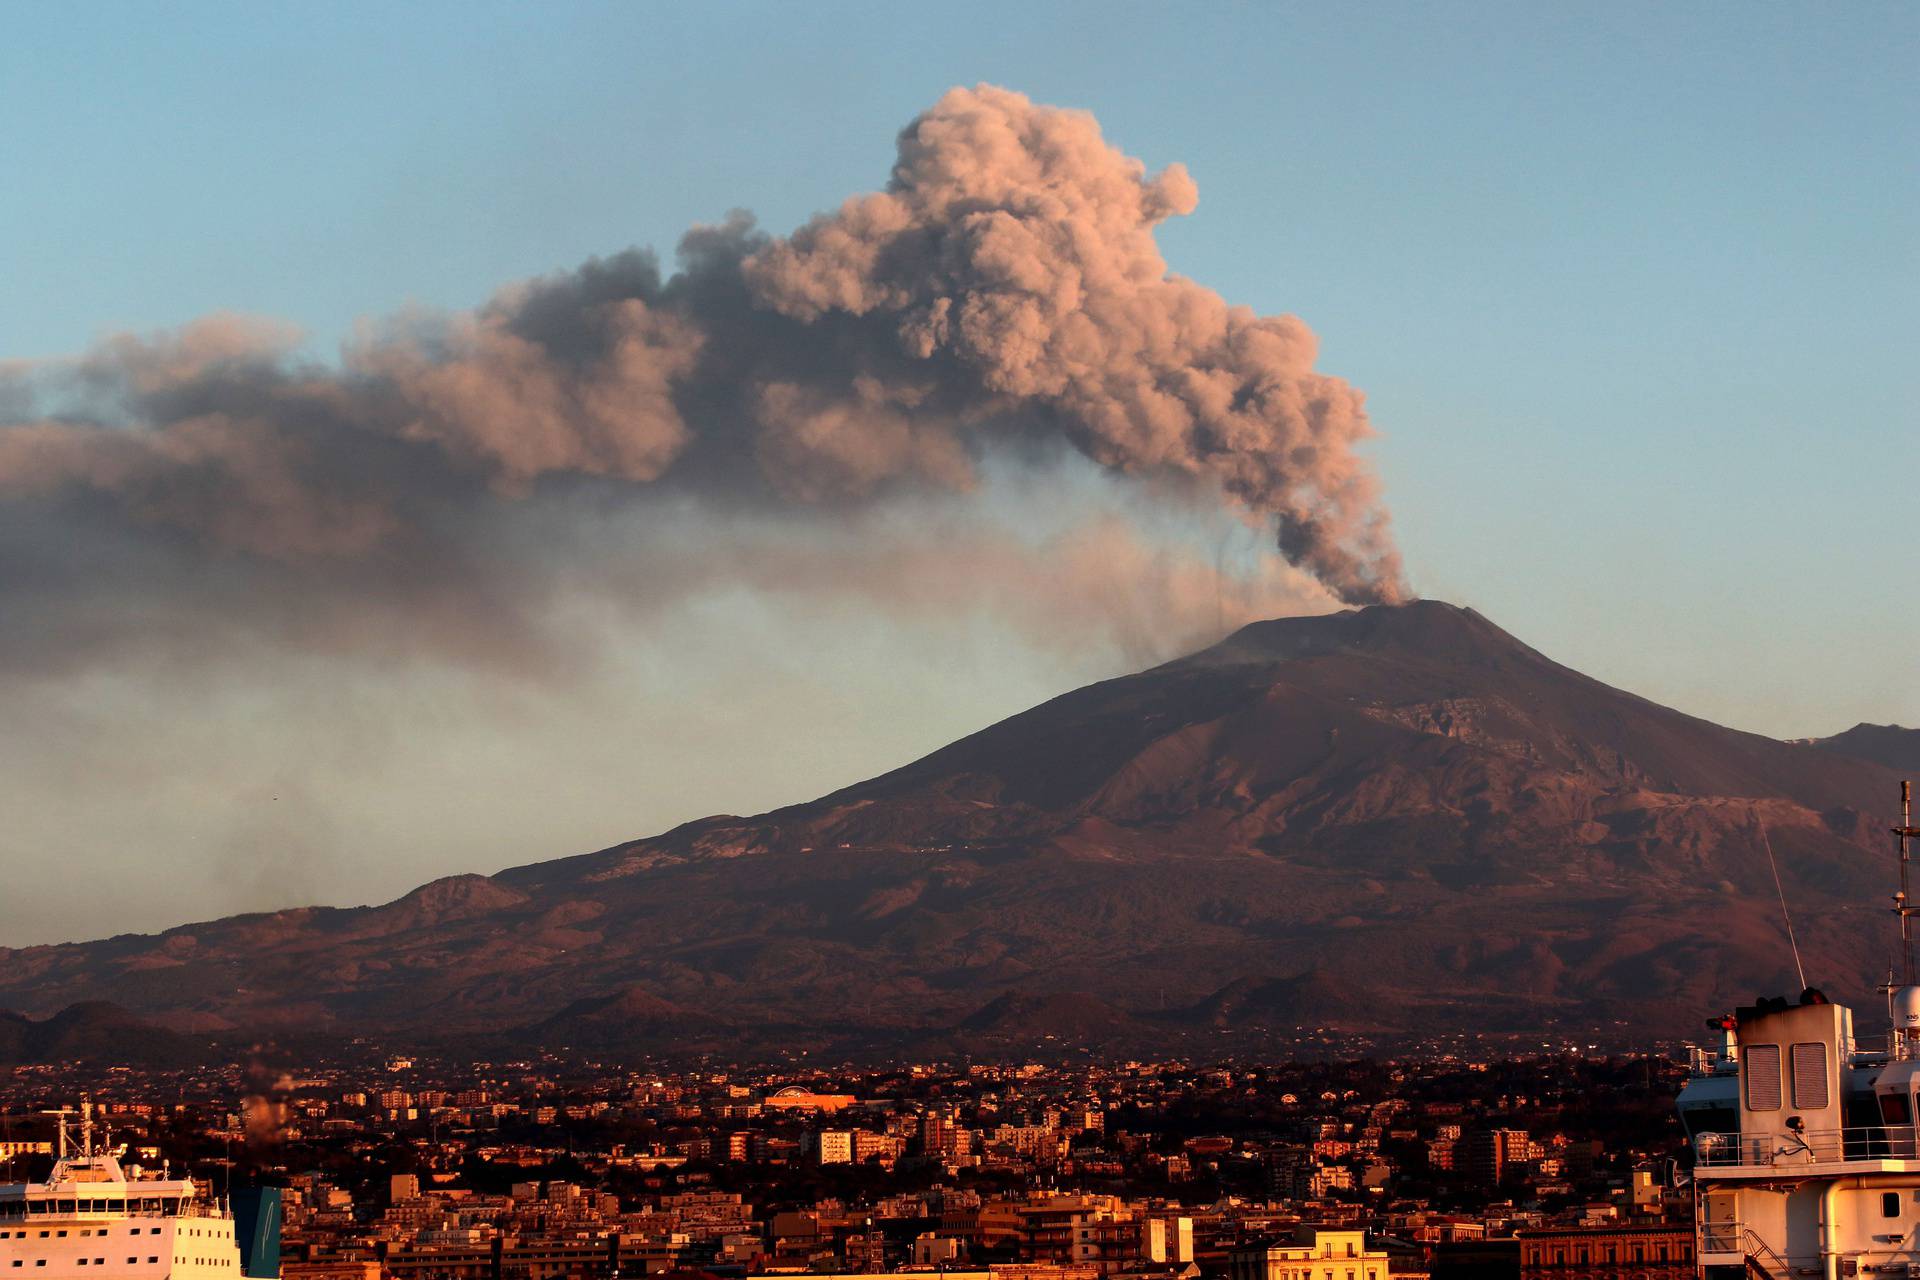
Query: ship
{"x":1805,"y":1138}
{"x":97,"y":1219}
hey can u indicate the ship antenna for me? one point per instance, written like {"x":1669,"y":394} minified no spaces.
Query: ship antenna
{"x":1784,"y":913}
{"x":61,"y":1115}
{"x":1902,"y":833}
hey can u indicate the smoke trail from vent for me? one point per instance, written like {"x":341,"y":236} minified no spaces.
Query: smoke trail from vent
{"x":1001,"y":298}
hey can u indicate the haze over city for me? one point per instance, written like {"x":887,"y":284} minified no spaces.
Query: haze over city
{"x":1597,"y":323}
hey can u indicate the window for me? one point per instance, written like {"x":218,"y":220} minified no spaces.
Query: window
{"x":1893,"y":1108}
{"x":1890,"y":1204}
{"x":1762,"y":1070}
{"x":1810,"y":1076}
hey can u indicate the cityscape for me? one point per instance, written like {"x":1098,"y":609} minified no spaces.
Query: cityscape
{"x":551,"y":1167}
{"x":1013,"y":641}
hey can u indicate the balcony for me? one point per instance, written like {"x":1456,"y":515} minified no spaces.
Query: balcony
{"x":1811,"y":1147}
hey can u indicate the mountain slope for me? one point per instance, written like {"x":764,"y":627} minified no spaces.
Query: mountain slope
{"x":1887,"y":744}
{"x":1404,"y":802}
{"x":96,"y":1032}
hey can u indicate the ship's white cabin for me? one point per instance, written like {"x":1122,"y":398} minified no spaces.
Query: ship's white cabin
{"x":1805,"y":1153}
{"x":92,"y":1219}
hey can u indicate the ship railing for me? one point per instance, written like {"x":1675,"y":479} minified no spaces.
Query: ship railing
{"x":1723,"y":1237}
{"x":189,"y":1209}
{"x":1737,"y":1238}
{"x":1771,"y":1264}
{"x":1807,"y":1147}
{"x":1708,"y":1062}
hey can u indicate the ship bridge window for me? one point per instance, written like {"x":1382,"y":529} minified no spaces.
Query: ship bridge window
{"x":1699,"y":1118}
{"x":1894,"y":1109}
{"x":1761,"y":1067}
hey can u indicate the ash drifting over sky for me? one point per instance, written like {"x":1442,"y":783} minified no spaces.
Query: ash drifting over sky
{"x":296,"y":608}
{"x":1003,"y":294}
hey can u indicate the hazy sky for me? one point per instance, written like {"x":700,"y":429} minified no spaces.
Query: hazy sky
{"x":1632,"y":292}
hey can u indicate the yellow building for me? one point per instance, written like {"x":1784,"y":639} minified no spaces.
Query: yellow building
{"x":1316,"y":1255}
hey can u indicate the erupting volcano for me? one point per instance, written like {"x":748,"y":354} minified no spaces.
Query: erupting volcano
{"x":1392,"y":818}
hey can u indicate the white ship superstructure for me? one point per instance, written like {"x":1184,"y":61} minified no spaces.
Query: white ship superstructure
{"x":93,"y":1219}
{"x":1806,"y":1143}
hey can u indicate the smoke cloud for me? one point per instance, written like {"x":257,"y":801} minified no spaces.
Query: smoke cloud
{"x":1002,"y":298}
{"x":625,"y":546}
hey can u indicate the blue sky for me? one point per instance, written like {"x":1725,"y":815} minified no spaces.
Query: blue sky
{"x":1633,"y":289}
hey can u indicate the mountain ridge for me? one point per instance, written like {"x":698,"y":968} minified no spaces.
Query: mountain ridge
{"x":1406,"y":790}
{"x":1892,"y":745}
{"x":95,"y":1031}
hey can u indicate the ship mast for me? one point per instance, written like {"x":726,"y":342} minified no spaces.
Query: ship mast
{"x":1904,"y":832}
{"x":62,"y":1115}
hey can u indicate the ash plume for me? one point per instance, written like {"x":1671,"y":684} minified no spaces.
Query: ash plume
{"x":1001,"y":298}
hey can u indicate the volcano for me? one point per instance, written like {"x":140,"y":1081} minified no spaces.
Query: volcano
{"x":1397,"y":818}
